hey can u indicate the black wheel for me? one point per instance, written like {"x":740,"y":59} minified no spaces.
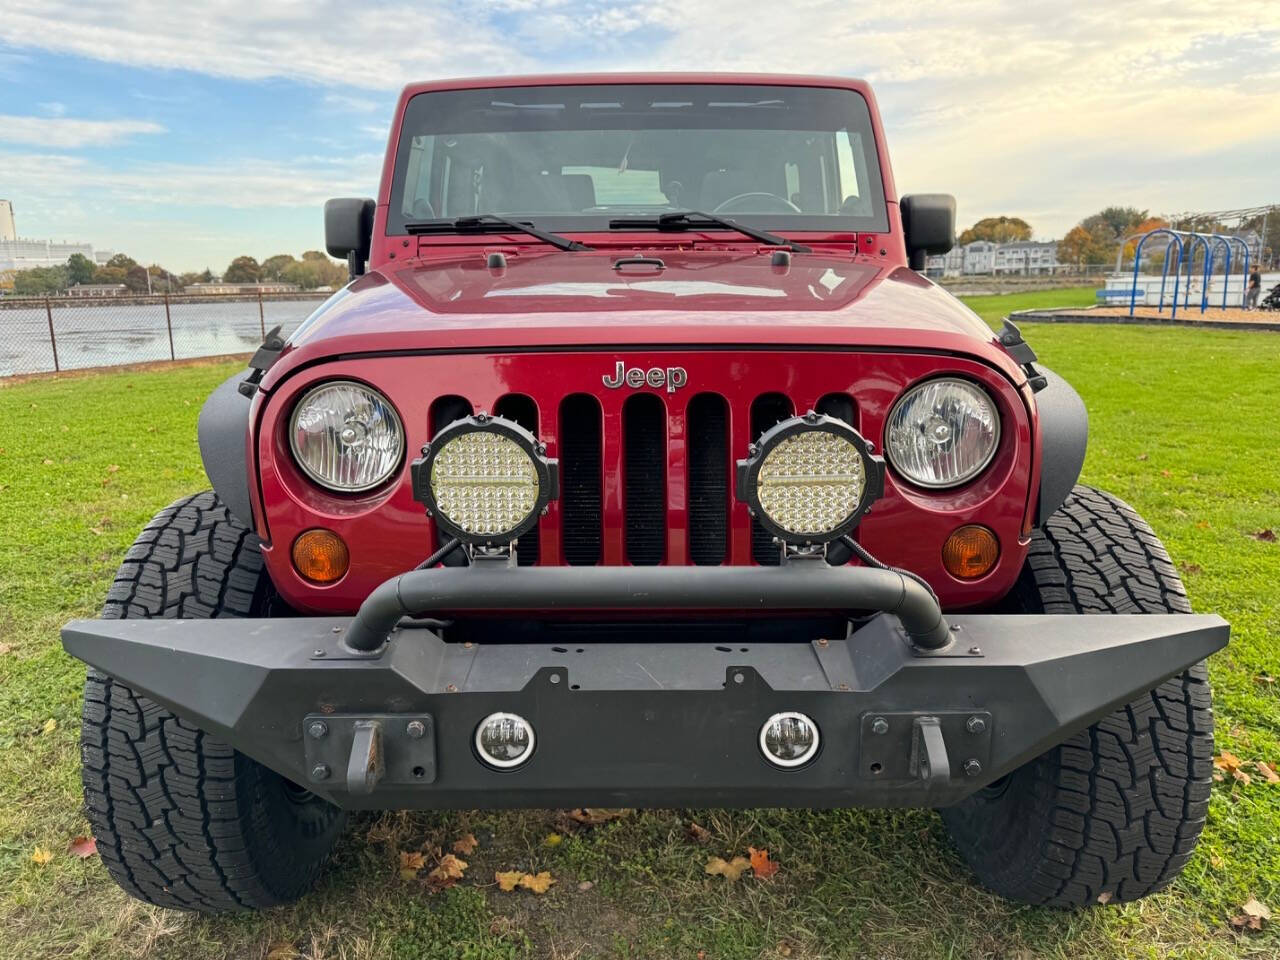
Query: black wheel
{"x":181,"y":819}
{"x":1114,"y":813}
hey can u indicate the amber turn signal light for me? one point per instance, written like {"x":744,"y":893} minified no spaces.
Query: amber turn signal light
{"x":970,"y":552}
{"x":320,"y":556}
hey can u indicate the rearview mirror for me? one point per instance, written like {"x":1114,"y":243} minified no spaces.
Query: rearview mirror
{"x":929,"y":225}
{"x":348,"y":231}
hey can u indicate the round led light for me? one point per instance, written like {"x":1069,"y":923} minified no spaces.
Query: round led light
{"x":789,"y":739}
{"x":504,"y":740}
{"x":484,"y":483}
{"x":346,"y":436}
{"x":942,"y":433}
{"x":812,"y":482}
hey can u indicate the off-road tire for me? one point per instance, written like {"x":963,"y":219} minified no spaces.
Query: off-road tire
{"x":181,"y":819}
{"x":1114,"y":813}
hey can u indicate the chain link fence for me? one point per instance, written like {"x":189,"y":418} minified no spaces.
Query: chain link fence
{"x":52,"y":334}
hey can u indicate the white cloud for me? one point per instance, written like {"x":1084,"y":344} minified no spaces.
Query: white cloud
{"x":354,"y":104}
{"x":62,"y":132}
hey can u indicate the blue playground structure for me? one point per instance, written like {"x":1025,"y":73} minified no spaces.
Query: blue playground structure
{"x":1186,"y":243}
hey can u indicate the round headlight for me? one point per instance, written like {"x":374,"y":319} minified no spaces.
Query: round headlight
{"x":789,"y":739}
{"x":484,"y":479}
{"x":942,"y":433}
{"x":504,"y":740}
{"x":346,"y":436}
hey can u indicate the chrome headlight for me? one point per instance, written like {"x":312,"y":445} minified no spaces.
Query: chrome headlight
{"x":484,"y":479}
{"x":346,"y":436}
{"x":942,"y":433}
{"x":810,"y":479}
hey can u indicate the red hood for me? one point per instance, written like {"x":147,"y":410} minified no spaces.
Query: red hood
{"x":555,"y":300}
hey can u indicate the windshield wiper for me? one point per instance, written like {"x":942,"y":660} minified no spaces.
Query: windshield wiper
{"x":693,"y":219}
{"x":488,"y":223}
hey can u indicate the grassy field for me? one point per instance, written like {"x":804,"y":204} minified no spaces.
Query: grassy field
{"x":1183,"y":427}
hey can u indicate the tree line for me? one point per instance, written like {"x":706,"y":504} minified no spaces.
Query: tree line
{"x":314,"y":269}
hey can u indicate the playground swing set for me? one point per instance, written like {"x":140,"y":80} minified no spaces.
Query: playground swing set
{"x":1185,"y":243}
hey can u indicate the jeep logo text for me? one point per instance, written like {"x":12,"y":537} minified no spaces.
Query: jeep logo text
{"x":673,"y":378}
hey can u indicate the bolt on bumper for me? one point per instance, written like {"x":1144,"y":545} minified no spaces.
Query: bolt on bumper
{"x":643,"y":724}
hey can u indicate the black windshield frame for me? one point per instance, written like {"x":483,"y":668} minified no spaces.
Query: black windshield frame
{"x":649,"y":106}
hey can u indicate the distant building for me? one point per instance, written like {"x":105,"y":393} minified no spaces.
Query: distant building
{"x":98,"y":290}
{"x":985,"y":258}
{"x":103,"y":257}
{"x":221,"y":288}
{"x":8,"y":229}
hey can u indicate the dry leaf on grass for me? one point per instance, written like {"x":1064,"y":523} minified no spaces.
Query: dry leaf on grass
{"x":553,"y":840}
{"x":1251,"y":916}
{"x":1266,"y":536}
{"x":50,"y":725}
{"x":1242,"y":777}
{"x":539,"y":883}
{"x":1263,"y":678}
{"x":698,"y":833}
{"x":282,"y":950}
{"x":40,"y":856}
{"x":5,"y":648}
{"x":1105,"y":896}
{"x":761,"y":865}
{"x":410,"y":864}
{"x":1268,"y":771}
{"x":466,"y":845}
{"x":730,"y":870}
{"x":1191,"y":567}
{"x":594,"y":816}
{"x":446,"y":873}
{"x":82,"y":847}
{"x":1227,"y":761}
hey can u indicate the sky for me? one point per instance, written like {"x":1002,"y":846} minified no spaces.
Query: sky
{"x":187,"y":134}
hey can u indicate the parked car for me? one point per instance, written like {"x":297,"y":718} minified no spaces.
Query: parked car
{"x":638,"y":465}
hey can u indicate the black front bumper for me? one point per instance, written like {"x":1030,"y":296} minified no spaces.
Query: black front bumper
{"x":646,"y":724}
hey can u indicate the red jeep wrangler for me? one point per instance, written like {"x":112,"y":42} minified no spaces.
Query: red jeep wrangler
{"x":638,"y":465}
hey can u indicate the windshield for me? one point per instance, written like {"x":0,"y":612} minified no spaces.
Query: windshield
{"x":576,"y":157}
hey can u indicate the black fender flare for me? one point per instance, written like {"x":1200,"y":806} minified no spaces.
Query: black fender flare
{"x":1064,"y":437}
{"x":223,"y":431}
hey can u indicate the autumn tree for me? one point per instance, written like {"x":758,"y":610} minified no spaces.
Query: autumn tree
{"x":243,"y":270}
{"x":1081,"y":248}
{"x":997,"y":230}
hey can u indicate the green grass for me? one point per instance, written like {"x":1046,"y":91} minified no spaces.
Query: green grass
{"x":1182,"y":427}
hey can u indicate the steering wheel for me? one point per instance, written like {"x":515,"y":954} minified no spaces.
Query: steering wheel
{"x":776,"y":204}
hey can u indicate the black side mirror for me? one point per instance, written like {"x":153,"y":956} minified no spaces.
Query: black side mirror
{"x":929,"y":225}
{"x":348,"y":231}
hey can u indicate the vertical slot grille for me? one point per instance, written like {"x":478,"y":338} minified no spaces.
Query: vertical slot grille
{"x":644,"y":439}
{"x":766,"y":411}
{"x":522,"y":410}
{"x":444,"y":410}
{"x":580,"y":486}
{"x":707,"y":432}
{"x":839,"y":406}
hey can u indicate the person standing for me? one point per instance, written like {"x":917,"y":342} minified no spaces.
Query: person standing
{"x":1255,"y":288}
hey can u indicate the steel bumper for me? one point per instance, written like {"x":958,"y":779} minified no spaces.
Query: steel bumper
{"x":645,"y":724}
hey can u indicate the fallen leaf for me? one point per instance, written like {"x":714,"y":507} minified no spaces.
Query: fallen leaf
{"x":113,"y":468}
{"x":1142,"y":456}
{"x":594,"y":816}
{"x":508,"y":880}
{"x":761,"y":865}
{"x":1227,"y":761}
{"x":784,"y":949}
{"x":50,"y":725}
{"x":82,"y":847}
{"x":1264,"y":678}
{"x":1266,"y":536}
{"x":40,"y":856}
{"x":539,"y":883}
{"x":698,"y":833}
{"x":466,"y":845}
{"x":1242,"y":777}
{"x":553,"y":840}
{"x":446,"y":873}
{"x":730,"y":870}
{"x":1218,"y":777}
{"x":1202,"y":525}
{"x":1105,"y":896}
{"x":410,"y":864}
{"x":95,"y":531}
{"x":48,"y":462}
{"x":1191,"y":567}
{"x":282,"y":950}
{"x":1216,"y":861}
{"x":585,"y":885}
{"x":5,"y":648}
{"x":1268,"y":771}
{"x":1166,"y":473}
{"x":1251,"y":916}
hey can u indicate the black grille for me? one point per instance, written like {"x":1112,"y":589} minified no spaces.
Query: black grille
{"x":524,"y":411}
{"x":580,"y":486}
{"x":707,"y":431}
{"x":644,"y":430}
{"x":766,"y":411}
